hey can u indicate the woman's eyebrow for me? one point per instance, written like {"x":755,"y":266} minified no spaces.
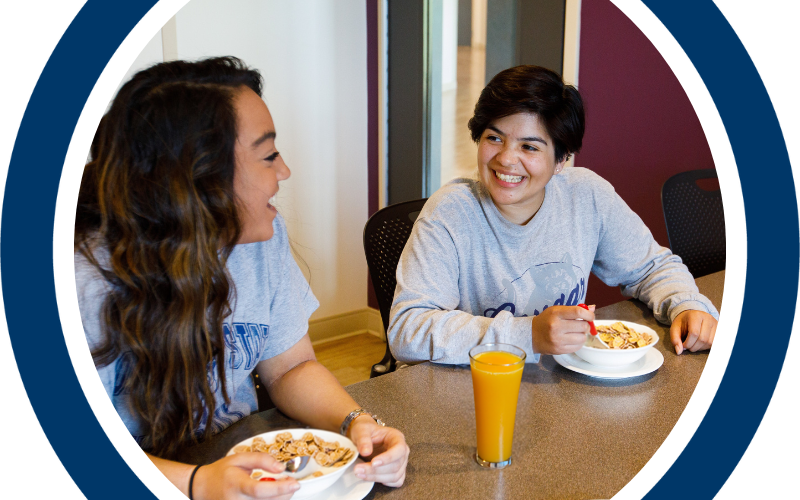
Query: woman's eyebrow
{"x":265,"y":136}
{"x":533,"y":139}
{"x":524,"y":139}
{"x":492,"y":127}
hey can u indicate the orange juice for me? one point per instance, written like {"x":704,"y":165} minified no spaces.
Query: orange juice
{"x":496,"y":377}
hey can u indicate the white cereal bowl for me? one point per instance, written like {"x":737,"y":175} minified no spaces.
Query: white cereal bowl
{"x":600,"y":356}
{"x":311,"y":486}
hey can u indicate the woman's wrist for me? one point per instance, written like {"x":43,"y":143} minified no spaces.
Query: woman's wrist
{"x":192,"y":488}
{"x":534,"y":344}
{"x":357,"y":418}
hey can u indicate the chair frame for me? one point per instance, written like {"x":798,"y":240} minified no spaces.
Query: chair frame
{"x":383,"y":283}
{"x":690,"y":177}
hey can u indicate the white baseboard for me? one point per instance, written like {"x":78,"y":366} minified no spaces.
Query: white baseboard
{"x":367,"y":320}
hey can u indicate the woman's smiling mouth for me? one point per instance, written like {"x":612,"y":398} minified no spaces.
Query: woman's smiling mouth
{"x":513,"y":179}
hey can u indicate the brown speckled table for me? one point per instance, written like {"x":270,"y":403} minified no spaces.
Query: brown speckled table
{"x":567,"y":423}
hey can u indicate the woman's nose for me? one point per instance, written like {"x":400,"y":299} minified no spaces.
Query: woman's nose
{"x":507,"y":157}
{"x":284,"y":172}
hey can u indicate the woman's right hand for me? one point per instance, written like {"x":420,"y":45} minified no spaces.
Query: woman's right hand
{"x":229,"y":479}
{"x":561,"y":329}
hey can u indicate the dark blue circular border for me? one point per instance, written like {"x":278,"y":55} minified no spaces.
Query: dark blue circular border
{"x":29,"y":212}
{"x":772,"y":238}
{"x":30,"y":198}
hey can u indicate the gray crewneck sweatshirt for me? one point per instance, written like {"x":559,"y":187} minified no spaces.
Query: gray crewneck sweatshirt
{"x":468,"y":276}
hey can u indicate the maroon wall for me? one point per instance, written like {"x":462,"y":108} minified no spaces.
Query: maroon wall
{"x":640,"y":126}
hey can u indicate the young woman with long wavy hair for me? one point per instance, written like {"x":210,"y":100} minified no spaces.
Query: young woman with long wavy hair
{"x":186,"y":283}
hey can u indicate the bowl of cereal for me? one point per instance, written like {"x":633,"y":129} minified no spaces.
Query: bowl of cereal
{"x":330,"y":455}
{"x":628,"y":343}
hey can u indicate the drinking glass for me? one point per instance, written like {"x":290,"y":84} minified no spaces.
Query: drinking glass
{"x":496,"y":376}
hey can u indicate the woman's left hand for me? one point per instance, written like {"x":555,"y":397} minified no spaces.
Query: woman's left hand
{"x":386,"y":446}
{"x":693,"y":330}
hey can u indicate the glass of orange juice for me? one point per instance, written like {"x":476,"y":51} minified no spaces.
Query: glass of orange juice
{"x":496,"y":376}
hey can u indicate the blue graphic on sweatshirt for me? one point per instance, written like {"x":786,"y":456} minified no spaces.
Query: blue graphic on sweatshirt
{"x":548,"y":284}
{"x":246,"y":342}
{"x":224,"y":417}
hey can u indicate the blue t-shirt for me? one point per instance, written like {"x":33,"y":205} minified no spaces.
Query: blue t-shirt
{"x":271,"y":307}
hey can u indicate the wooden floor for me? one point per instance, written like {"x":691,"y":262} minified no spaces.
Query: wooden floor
{"x":351,"y":359}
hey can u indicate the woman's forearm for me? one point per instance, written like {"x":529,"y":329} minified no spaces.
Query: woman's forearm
{"x":311,"y":394}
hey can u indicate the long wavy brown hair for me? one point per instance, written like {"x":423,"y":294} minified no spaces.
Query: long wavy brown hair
{"x":157,"y":202}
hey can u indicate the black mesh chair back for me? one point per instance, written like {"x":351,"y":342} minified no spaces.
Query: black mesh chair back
{"x":695,"y":221}
{"x":385,"y":236}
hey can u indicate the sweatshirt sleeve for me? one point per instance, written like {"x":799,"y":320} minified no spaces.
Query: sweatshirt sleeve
{"x":629,"y":257}
{"x":426,"y":323}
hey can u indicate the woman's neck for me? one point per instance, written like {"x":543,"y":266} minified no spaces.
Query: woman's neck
{"x":520,"y":215}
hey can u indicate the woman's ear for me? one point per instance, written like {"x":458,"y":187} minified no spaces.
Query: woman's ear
{"x":560,"y":165}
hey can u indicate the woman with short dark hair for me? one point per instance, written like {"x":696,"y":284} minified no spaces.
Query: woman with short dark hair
{"x":506,"y":258}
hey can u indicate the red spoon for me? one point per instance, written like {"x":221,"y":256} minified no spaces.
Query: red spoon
{"x":593,"y":330}
{"x":591,"y":323}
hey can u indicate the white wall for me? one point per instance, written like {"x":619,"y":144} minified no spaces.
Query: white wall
{"x":152,"y":53}
{"x":572,"y":41}
{"x":449,"y":44}
{"x":479,"y":23}
{"x":312,"y":55}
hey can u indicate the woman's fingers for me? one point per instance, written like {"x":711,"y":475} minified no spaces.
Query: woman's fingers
{"x":693,"y":331}
{"x":391,"y":474}
{"x":569,"y":342}
{"x":389,"y":466}
{"x":254,"y":460}
{"x":561,"y":329}
{"x":229,"y":478}
{"x":282,"y":488}
{"x":389,"y":478}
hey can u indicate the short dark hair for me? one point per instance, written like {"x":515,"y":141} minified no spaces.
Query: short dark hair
{"x":533,"y":89}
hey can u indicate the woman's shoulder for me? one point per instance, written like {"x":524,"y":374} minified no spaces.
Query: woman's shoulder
{"x":583,"y":176}
{"x":584,"y":181}
{"x":261,"y":258}
{"x":453,"y":201}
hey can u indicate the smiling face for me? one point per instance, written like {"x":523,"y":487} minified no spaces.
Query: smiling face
{"x":516,"y":160}
{"x":258,"y":167}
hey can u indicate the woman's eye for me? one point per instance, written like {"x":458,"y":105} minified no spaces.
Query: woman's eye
{"x":492,"y":138}
{"x":272,"y":156}
{"x":528,"y":147}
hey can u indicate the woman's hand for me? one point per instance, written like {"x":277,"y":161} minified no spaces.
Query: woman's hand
{"x":387,"y":448}
{"x":693,"y":330}
{"x":229,"y":479}
{"x":561,"y":329}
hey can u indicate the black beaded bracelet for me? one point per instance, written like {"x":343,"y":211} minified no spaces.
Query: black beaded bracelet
{"x":191,"y":481}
